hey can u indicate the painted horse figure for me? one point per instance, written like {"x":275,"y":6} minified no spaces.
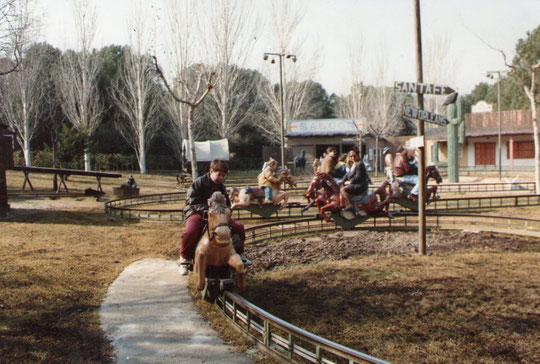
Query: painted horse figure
{"x":300,"y":162}
{"x":216,"y":249}
{"x":245,"y":197}
{"x":324,"y":193}
{"x":400,"y":189}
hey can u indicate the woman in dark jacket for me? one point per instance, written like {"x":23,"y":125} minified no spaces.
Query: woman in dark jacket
{"x":356,"y":176}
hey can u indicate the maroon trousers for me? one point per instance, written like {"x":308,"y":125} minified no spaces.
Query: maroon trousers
{"x":193,"y":232}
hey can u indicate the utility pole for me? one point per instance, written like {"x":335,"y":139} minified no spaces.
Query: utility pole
{"x":281,"y":55}
{"x":499,"y":145}
{"x":421,"y":155}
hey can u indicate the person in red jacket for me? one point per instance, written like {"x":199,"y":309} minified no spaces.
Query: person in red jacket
{"x":406,"y":171}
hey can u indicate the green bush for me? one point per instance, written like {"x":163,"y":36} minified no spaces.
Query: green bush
{"x":114,"y":162}
{"x":42,"y":158}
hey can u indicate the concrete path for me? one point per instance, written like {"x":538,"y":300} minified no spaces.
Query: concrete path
{"x":150,"y":318}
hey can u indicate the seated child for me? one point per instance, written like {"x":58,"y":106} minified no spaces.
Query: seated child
{"x":267,"y":180}
{"x":196,"y":204}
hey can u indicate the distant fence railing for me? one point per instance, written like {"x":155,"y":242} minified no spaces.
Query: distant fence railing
{"x":130,"y":208}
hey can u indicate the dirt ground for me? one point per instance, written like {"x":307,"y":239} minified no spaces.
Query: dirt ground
{"x":473,"y":299}
{"x":342,"y":245}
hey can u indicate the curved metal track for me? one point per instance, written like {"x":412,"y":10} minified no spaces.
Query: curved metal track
{"x":293,"y":344}
{"x":127,"y":208}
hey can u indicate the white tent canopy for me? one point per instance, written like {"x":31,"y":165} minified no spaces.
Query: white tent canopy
{"x":208,"y":150}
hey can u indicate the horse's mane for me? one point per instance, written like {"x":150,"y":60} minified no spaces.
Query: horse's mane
{"x":218,"y":203}
{"x":325,"y":177}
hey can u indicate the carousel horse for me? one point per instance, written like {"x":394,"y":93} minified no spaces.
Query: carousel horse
{"x":324,"y":193}
{"x":399,"y":189}
{"x":216,"y":249}
{"x":245,"y":197}
{"x":300,"y":162}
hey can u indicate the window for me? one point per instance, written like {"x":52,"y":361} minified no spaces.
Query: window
{"x":484,"y":154}
{"x":522,"y":150}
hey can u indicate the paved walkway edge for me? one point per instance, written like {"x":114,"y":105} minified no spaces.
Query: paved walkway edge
{"x":149,"y":316}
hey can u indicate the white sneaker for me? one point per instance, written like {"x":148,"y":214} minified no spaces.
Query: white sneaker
{"x":184,"y":265}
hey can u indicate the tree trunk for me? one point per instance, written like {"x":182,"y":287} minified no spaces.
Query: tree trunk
{"x":87,"y":163}
{"x":55,"y":178}
{"x":192,"y":153}
{"x":142,"y":147}
{"x":536,"y":149}
{"x":27,"y":155}
{"x":376,"y":155}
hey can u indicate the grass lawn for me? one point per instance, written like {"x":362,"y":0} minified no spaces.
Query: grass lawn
{"x":59,"y":257}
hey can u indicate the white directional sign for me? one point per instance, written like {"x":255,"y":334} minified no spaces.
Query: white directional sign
{"x":427,"y":116}
{"x":422,"y":88}
{"x":416,"y":142}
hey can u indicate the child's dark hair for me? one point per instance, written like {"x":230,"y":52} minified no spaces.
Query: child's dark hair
{"x":219,"y":165}
{"x":331,"y":149}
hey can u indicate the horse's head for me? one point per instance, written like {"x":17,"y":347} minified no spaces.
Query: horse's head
{"x":218,"y":217}
{"x":433,"y":172}
{"x":320,"y":180}
{"x":287,"y":177}
{"x":312,"y":189}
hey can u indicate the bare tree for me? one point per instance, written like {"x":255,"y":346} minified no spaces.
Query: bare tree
{"x":22,"y":95}
{"x":285,"y":21}
{"x":524,"y":69}
{"x":384,"y":115}
{"x":198,"y":94}
{"x":21,"y":91}
{"x":181,"y":18}
{"x":384,"y":111}
{"x":15,"y":23}
{"x":78,"y":78}
{"x":355,"y":104}
{"x":228,"y":45}
{"x":137,"y":95}
{"x":439,"y":68}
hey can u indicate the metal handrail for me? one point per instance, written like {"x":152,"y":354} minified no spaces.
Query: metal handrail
{"x":288,"y":341}
{"x":265,"y":327}
{"x":121,"y":208}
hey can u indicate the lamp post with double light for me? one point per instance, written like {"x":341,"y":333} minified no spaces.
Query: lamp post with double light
{"x":272,"y":57}
{"x":490,"y":75}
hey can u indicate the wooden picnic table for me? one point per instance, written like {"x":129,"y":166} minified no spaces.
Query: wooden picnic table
{"x":63,"y":173}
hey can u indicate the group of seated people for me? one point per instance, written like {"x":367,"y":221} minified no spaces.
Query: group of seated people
{"x":351,"y":174}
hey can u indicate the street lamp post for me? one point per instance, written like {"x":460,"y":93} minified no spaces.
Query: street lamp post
{"x":272,"y":56}
{"x":490,"y":75}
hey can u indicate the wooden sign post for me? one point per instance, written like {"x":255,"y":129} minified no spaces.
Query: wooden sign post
{"x":6,"y":161}
{"x":422,"y":116}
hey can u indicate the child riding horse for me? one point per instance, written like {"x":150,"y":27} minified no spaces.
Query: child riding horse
{"x":325,"y":194}
{"x":216,"y":248}
{"x":196,"y":206}
{"x":401,"y":189}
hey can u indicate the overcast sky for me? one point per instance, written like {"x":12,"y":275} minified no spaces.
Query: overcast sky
{"x":469,"y":26}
